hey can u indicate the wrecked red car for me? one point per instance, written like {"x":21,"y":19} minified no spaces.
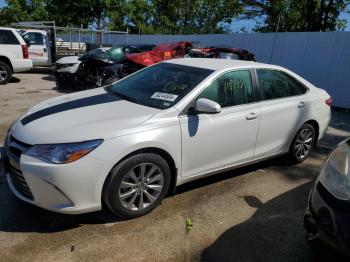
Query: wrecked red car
{"x":160,"y":53}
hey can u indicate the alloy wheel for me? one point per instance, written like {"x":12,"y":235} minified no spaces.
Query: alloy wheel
{"x":303,"y":143}
{"x":141,"y":186}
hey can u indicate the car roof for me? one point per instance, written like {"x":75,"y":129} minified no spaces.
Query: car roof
{"x":7,"y":28}
{"x":219,"y":63}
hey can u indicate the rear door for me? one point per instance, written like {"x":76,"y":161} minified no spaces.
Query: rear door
{"x":215,"y":141}
{"x":38,"y":50}
{"x":283,"y":111}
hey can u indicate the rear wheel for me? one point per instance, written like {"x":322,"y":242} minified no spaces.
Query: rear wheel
{"x":5,"y":73}
{"x":302,"y":143}
{"x":137,"y":185}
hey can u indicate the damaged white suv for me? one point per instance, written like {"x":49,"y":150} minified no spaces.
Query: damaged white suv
{"x":131,"y":143}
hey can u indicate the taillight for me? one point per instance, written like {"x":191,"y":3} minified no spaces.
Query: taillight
{"x":25,"y":52}
{"x":329,"y":101}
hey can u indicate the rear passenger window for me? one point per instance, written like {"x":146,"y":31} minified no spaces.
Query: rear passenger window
{"x":8,"y":38}
{"x":231,"y":89}
{"x":276,"y":84}
{"x":34,"y":38}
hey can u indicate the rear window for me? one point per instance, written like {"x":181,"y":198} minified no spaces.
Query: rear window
{"x":8,"y":38}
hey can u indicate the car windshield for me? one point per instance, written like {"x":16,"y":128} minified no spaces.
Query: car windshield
{"x":160,"y":86}
{"x":116,"y":53}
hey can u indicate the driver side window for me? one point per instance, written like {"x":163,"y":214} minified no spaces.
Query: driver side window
{"x":231,"y":89}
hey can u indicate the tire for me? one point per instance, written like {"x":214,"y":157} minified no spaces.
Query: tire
{"x":125,"y":195}
{"x":302,"y":144}
{"x":5,"y":73}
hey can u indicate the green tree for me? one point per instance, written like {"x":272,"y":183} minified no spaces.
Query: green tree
{"x":20,"y":10}
{"x":296,"y":15}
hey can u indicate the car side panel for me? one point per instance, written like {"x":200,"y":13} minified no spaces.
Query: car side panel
{"x":167,"y":138}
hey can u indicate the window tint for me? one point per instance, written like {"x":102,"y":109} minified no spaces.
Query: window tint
{"x":8,"y":38}
{"x":276,"y":84}
{"x":34,"y":38}
{"x":231,"y":89}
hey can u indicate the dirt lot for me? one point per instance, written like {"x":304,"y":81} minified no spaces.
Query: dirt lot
{"x":250,"y":214}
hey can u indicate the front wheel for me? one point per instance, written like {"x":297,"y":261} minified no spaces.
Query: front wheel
{"x":302,"y":143}
{"x":137,"y":185}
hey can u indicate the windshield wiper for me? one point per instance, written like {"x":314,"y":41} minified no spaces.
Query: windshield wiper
{"x":127,"y":98}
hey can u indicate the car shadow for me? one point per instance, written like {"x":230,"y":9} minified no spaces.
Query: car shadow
{"x":273,"y":233}
{"x":15,"y":80}
{"x":48,"y":78}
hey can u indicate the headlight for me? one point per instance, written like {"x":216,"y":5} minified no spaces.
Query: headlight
{"x":335,"y":174}
{"x":63,"y":153}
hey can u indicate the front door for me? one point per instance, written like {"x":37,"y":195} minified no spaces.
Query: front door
{"x":215,"y":141}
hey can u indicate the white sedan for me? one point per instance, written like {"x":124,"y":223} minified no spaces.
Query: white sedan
{"x":129,"y":144}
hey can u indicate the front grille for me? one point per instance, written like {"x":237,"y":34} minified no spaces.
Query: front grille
{"x":15,"y":150}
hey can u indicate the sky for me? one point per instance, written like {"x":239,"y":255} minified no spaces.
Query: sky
{"x":249,"y":24}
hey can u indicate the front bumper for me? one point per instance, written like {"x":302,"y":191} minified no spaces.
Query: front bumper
{"x":66,"y":80}
{"x":72,"y":188}
{"x":327,"y":219}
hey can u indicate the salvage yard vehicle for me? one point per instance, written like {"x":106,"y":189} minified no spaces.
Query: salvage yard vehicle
{"x":13,"y":54}
{"x":64,"y":70}
{"x":96,"y":68}
{"x":129,"y":144}
{"x":100,"y":70}
{"x":221,"y":52}
{"x":328,"y":212}
{"x":45,"y":48}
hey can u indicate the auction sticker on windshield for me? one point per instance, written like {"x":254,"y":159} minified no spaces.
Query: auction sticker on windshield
{"x":164,"y":96}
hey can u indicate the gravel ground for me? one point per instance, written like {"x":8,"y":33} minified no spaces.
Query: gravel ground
{"x":249,"y":214}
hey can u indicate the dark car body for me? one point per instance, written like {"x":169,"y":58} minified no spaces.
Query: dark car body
{"x":97,"y":67}
{"x":327,"y":218}
{"x":222,"y":52}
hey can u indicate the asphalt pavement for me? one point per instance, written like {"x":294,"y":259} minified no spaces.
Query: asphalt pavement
{"x":253,"y":213}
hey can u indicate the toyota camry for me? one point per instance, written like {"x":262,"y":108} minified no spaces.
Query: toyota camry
{"x":127,"y":145}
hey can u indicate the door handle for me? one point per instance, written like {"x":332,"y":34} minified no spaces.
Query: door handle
{"x":251,"y":115}
{"x":301,"y":105}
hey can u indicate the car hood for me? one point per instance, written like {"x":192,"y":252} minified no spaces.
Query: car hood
{"x":68,"y":60}
{"x":81,"y":116}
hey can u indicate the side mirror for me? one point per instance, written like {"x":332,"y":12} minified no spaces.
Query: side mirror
{"x":207,"y":106}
